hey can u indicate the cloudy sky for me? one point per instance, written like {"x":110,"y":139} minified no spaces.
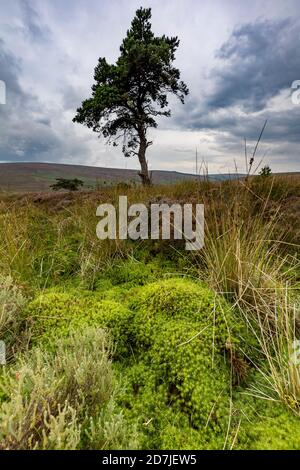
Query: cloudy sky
{"x":238,"y":58}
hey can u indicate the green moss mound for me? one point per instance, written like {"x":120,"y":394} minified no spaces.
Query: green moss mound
{"x":265,"y":425}
{"x":182,"y":333}
{"x":184,"y":300}
{"x":174,"y":334}
{"x":281,"y":432}
{"x":175,"y":297}
{"x":178,"y":380}
{"x":173,"y":345}
{"x":54,"y":314}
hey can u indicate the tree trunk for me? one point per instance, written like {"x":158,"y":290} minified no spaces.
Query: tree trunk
{"x":144,"y":173}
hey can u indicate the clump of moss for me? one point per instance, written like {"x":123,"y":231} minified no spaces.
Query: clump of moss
{"x":182,"y":299}
{"x":181,"y":332}
{"x":264,"y":425}
{"x":54,"y":314}
{"x":178,"y":380}
{"x":277,"y":432}
{"x":198,"y":379}
{"x":176,"y":343}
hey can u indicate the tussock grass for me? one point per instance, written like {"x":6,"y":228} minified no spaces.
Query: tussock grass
{"x":240,"y":252}
{"x":276,"y":332}
{"x":245,"y":262}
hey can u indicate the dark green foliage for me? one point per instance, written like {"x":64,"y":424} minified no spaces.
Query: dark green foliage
{"x":128,"y":96}
{"x":265,"y":171}
{"x":67,"y":184}
{"x":132,"y":273}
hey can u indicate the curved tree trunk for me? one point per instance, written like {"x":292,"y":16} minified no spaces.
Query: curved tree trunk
{"x":144,"y":173}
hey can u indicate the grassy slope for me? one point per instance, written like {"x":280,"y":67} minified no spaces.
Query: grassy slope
{"x":24,"y":177}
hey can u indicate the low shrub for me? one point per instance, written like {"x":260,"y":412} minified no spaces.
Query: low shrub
{"x":62,"y":400}
{"x":12,"y":301}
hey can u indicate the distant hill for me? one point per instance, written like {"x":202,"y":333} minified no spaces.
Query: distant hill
{"x":37,"y":177}
{"x":27,"y":177}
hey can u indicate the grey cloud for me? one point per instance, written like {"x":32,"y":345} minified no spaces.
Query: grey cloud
{"x":9,"y":70}
{"x":282,"y":125}
{"x":25,"y":129}
{"x":72,"y":97}
{"x":26,"y":122}
{"x":257,"y":62}
{"x":33,"y":28}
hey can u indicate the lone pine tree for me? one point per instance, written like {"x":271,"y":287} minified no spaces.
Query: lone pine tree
{"x":129,"y":95}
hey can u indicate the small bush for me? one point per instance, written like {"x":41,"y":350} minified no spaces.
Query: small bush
{"x":12,"y":301}
{"x":67,"y":184}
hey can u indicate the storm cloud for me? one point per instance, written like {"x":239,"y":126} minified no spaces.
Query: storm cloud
{"x":251,"y":84}
{"x":26,"y":133}
{"x":257,"y":62}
